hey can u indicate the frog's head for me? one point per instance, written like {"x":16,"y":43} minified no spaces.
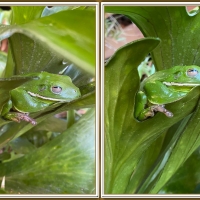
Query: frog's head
{"x":183,"y":76}
{"x":55,"y":87}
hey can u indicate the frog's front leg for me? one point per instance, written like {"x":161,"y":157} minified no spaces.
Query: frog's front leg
{"x":18,"y":117}
{"x":142,"y":113}
{"x":161,"y":108}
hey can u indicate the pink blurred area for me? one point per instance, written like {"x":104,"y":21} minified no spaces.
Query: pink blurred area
{"x":128,"y":34}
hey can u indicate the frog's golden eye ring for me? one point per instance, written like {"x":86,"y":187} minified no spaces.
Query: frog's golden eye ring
{"x":192,"y":72}
{"x":56,"y":89}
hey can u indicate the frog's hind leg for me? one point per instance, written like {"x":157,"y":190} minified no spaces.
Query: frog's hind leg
{"x":151,"y":110}
{"x":143,"y":110}
{"x":161,"y":108}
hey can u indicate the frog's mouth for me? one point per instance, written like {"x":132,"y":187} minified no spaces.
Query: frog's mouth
{"x":181,"y":84}
{"x":46,"y":98}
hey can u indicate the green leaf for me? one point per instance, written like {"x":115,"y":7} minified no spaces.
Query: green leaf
{"x":185,"y":144}
{"x":186,"y":179}
{"x":120,"y":89}
{"x":147,"y":160}
{"x":52,"y":124}
{"x":127,"y":139}
{"x":66,"y":165}
{"x":68,"y":40}
{"x":21,"y":145}
{"x":29,"y":13}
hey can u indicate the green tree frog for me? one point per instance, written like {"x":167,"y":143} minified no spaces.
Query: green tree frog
{"x":36,"y":95}
{"x":165,"y":87}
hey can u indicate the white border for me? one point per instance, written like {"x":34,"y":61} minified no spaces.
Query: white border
{"x":98,"y":103}
{"x":49,"y":3}
{"x":149,"y":4}
{"x":102,"y":99}
{"x":103,"y":195}
{"x":97,"y":112}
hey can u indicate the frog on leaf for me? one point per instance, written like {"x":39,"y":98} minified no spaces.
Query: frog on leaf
{"x":36,"y":95}
{"x":164,"y":87}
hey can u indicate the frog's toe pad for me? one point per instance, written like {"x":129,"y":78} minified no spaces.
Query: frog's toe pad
{"x":168,"y":113}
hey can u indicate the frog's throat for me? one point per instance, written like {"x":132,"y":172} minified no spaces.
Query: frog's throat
{"x":181,"y":84}
{"x":47,"y":98}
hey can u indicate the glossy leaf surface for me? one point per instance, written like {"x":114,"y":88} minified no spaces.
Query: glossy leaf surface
{"x":141,"y":157}
{"x":63,"y":166}
{"x":126,"y":139}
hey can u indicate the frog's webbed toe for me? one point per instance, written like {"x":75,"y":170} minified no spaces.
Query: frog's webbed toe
{"x":25,"y":117}
{"x":161,"y":108}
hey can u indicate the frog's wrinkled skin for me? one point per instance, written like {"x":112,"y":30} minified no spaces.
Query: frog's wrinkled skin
{"x":36,"y":95}
{"x":165,"y":87}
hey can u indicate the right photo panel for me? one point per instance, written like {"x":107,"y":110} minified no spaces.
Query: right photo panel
{"x":151,"y":77}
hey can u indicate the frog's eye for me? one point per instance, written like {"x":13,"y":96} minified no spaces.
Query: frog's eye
{"x":56,"y":89}
{"x":192,"y":72}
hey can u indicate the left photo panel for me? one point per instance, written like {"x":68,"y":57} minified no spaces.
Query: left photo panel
{"x":48,"y":134}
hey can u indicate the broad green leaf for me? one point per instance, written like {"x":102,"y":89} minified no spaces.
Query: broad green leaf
{"x":37,"y":59}
{"x":186,"y":179}
{"x":147,"y":160}
{"x":186,"y":144}
{"x":125,"y":138}
{"x":21,"y":145}
{"x":38,"y":138}
{"x":65,"y":39}
{"x":19,"y":15}
{"x":66,"y":165}
{"x":151,"y":176}
{"x":120,"y":88}
{"x":178,"y":31}
{"x":23,"y":14}
{"x":51,"y":124}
